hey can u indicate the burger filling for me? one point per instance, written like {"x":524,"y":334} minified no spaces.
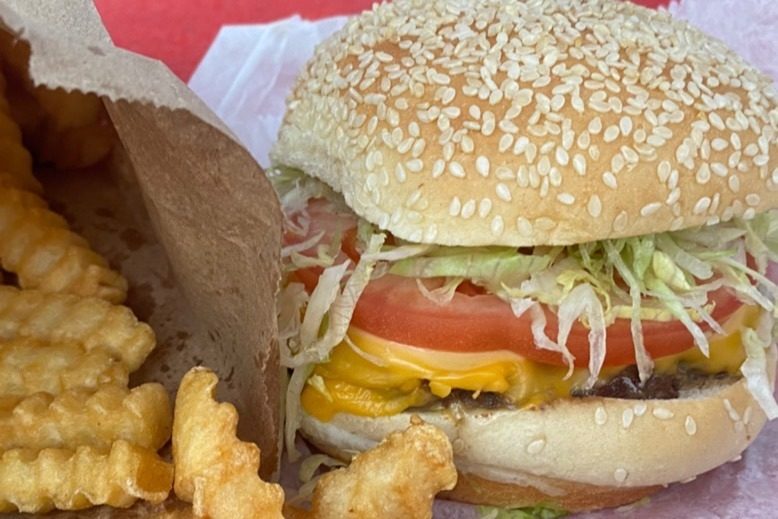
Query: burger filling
{"x":373,"y":326}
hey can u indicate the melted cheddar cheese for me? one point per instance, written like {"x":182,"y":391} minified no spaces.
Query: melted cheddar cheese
{"x":370,"y":376}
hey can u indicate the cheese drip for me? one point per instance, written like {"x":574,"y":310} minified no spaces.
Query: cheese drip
{"x":375,"y":377}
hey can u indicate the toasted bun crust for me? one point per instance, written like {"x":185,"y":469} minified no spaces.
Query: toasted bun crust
{"x":504,"y":122}
{"x":577,"y":453}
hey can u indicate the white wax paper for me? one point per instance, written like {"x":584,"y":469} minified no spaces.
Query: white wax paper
{"x":245,"y":78}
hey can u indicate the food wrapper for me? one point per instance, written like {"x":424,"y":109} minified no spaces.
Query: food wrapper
{"x":182,"y":210}
{"x":248,"y":73}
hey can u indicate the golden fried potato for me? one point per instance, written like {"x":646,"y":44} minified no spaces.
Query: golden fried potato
{"x":45,"y":254}
{"x":75,"y":148}
{"x":214,"y":470}
{"x":95,"y":324}
{"x":94,"y":418}
{"x":397,"y":479}
{"x":35,"y":482}
{"x":75,"y":132}
{"x":68,"y":110}
{"x":29,"y":366}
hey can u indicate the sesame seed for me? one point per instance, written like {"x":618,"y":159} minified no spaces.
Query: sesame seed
{"x":690,"y":425}
{"x":649,"y":209}
{"x":609,"y":179}
{"x":455,"y":207}
{"x":561,"y":156}
{"x":482,"y":165}
{"x":753,"y":199}
{"x":627,"y":417}
{"x":566,"y":198}
{"x":716,"y":121}
{"x":467,"y":144}
{"x":620,"y":475}
{"x":594,"y":206}
{"x":640,"y":409}
{"x":524,"y":226}
{"x":414,"y":165}
{"x":536,"y":446}
{"x":503,"y":192}
{"x":703,"y":174}
{"x":655,"y":141}
{"x":521,"y":145}
{"x":485,"y":207}
{"x":468,"y":209}
{"x":734,"y":183}
{"x":620,"y":222}
{"x":497,"y":226}
{"x":719,"y":169}
{"x":719,"y":144}
{"x":399,"y":172}
{"x":747,"y":415}
{"x":506,"y":141}
{"x":579,"y":164}
{"x":733,"y":414}
{"x":702,"y":205}
{"x":418,"y":147}
{"x":662,"y":413}
{"x":595,"y":126}
{"x":629,"y":155}
{"x":584,"y":140}
{"x":625,"y":125}
{"x":600,"y":416}
{"x":456,"y":169}
{"x":611,"y":133}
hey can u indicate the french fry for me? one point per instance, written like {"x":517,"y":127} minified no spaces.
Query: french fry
{"x":29,"y":366}
{"x":214,"y":470}
{"x":95,"y":324}
{"x":397,"y":479}
{"x":68,"y":110}
{"x":66,"y":479}
{"x":75,"y":131}
{"x":16,"y":163}
{"x":94,"y":418}
{"x":46,"y":255}
{"x":75,"y":148}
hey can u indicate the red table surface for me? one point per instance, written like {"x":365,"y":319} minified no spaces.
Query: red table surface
{"x":178,"y":32}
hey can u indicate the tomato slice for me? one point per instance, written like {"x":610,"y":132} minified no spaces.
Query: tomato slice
{"x":392,"y":307}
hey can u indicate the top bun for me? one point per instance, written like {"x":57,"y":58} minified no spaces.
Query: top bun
{"x":538,"y":122}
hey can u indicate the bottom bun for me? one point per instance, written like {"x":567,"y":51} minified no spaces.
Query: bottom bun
{"x":577,"y":497}
{"x":576,"y":453}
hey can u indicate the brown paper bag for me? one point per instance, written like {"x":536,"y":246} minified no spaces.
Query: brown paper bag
{"x":184,"y":213}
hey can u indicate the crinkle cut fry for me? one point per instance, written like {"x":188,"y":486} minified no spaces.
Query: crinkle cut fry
{"x":35,"y":482}
{"x":45,"y":254}
{"x":214,"y":470}
{"x":397,"y":479}
{"x":91,"y":322}
{"x":16,"y":163}
{"x":96,"y":418}
{"x":29,"y":366}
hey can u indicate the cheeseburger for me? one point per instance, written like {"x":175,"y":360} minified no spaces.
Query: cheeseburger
{"x":543,"y":226}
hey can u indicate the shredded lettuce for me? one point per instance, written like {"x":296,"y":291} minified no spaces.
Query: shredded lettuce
{"x":443,"y":294}
{"x":294,"y":409}
{"x":331,"y":307}
{"x":759,"y":345}
{"x":583,"y":301}
{"x":666,"y":276}
{"x":493,"y":265}
{"x":614,"y":251}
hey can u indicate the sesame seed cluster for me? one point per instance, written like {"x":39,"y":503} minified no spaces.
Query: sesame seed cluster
{"x":507,"y":122}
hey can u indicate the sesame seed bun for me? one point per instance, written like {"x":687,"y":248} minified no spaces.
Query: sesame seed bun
{"x":578,"y":454}
{"x":503,"y":122}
